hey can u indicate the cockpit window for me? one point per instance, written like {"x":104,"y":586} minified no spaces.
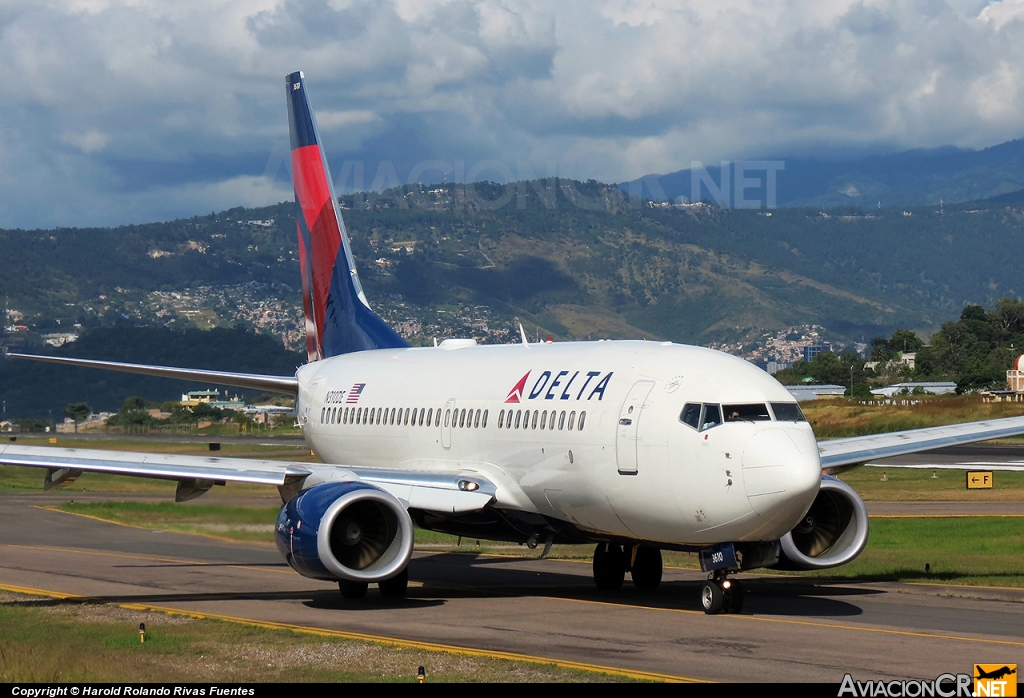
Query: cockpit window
{"x":712,"y":417}
{"x":690,"y":415}
{"x":757,"y":412}
{"x":788,"y":412}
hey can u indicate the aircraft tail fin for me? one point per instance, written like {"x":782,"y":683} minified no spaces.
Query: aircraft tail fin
{"x":338,"y":317}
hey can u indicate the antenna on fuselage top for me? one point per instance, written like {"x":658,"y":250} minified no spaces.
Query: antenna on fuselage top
{"x":522,"y":333}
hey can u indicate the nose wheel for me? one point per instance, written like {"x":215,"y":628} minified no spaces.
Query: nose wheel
{"x":721,"y":595}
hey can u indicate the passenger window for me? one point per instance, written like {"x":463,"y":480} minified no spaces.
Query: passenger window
{"x":712,"y":417}
{"x":543,"y":418}
{"x":447,"y":413}
{"x":572,"y":419}
{"x":561,"y":420}
{"x":583,"y":417}
{"x":501,"y":419}
{"x":536,"y":415}
{"x":519,"y":413}
{"x":437,"y":418}
{"x":483,"y":423}
{"x":690,"y":416}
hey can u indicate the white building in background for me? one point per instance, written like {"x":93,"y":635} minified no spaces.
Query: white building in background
{"x":1015,"y":376}
{"x":930,"y":387}
{"x":805,"y":392}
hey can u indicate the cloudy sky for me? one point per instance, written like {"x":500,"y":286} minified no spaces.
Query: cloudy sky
{"x":121,"y":111}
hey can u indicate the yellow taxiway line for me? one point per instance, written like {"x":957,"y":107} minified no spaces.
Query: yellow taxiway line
{"x":377,"y":639}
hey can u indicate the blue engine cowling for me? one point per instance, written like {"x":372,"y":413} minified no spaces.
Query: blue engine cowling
{"x":345,"y":530}
{"x":833,"y":531}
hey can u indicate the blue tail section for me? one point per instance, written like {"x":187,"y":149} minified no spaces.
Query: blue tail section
{"x":338,"y":317}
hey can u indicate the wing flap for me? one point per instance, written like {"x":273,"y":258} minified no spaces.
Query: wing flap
{"x":155,"y":465}
{"x":838,"y":455}
{"x":436,"y":491}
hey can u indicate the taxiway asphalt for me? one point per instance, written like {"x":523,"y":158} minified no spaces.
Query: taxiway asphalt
{"x":790,"y":629}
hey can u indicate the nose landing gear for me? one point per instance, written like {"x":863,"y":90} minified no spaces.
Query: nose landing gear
{"x":721,"y":594}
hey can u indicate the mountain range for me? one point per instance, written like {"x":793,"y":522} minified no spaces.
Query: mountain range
{"x":909,"y":178}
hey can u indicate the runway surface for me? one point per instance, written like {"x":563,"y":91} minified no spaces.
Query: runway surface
{"x":790,"y":630}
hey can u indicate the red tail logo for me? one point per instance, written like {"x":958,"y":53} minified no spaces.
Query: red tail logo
{"x":516,"y":394}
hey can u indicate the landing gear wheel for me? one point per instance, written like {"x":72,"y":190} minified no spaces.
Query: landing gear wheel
{"x":711,"y":597}
{"x":352,"y":590}
{"x":609,"y":567}
{"x":394,"y":588}
{"x":733,"y":598}
{"x":646,"y":571}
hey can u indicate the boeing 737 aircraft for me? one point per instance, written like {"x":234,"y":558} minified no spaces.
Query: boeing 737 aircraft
{"x":636,"y":447}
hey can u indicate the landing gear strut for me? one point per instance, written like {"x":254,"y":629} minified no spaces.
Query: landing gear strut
{"x":394,"y":588}
{"x":352,"y":590}
{"x":645,"y":568}
{"x":611,"y":563}
{"x":720,"y":594}
{"x":609,"y":566}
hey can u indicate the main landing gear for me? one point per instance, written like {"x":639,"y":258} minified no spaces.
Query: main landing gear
{"x":611,"y":563}
{"x":393,"y":588}
{"x":721,"y":594}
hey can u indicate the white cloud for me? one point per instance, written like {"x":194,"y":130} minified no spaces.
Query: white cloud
{"x":327,"y":120}
{"x":88,"y":142}
{"x":128,"y":108}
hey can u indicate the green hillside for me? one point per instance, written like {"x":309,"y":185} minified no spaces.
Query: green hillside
{"x":574,"y":259}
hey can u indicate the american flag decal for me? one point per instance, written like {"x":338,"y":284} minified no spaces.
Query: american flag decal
{"x":353,"y":395}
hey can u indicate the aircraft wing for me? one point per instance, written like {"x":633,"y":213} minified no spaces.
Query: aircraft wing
{"x":839,"y":455}
{"x":287,"y":385}
{"x":429,"y":491}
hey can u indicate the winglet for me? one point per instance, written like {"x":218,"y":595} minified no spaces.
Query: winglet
{"x":522,"y":333}
{"x":338,"y":317}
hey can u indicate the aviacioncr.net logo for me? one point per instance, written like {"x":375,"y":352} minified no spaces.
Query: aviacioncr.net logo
{"x":944,"y":686}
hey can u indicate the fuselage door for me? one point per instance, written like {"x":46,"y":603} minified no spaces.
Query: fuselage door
{"x":627,"y":441}
{"x":307,"y":400}
{"x":446,"y":423}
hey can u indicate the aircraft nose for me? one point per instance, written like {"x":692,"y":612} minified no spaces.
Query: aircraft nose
{"x":781,"y":474}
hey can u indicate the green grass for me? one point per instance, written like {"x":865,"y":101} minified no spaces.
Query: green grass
{"x":832,"y":419}
{"x":918,"y":485}
{"x":986,"y":551}
{"x":235,"y":522}
{"x":48,"y":640}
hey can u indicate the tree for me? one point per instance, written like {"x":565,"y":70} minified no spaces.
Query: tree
{"x":78,"y":411}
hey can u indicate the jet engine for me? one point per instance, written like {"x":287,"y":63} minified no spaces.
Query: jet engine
{"x":345,"y":531}
{"x":833,"y":531}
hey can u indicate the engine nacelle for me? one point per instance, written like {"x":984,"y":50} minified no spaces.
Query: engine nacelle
{"x":833,"y":532}
{"x":345,"y":530}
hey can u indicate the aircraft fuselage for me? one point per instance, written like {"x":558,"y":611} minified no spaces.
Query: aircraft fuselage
{"x":587,"y":433}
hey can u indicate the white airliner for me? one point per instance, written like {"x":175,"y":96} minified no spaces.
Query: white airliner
{"x":637,"y":447}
